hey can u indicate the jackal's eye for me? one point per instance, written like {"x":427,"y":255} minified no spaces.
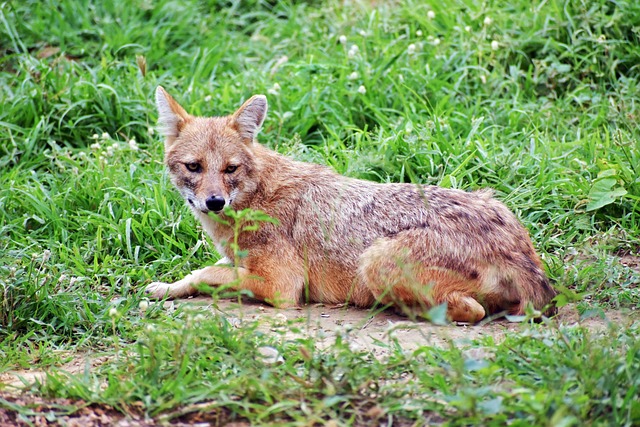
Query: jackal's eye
{"x":231,"y":169}
{"x":193,"y":167}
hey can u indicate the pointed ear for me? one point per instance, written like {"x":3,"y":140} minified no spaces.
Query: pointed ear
{"x":250,"y":117}
{"x":171,"y":116}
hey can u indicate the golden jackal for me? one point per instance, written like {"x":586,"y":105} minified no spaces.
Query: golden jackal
{"x":341,"y":239}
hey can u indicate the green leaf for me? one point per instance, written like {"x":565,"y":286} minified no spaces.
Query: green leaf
{"x":602,"y":191}
{"x":438,"y":315}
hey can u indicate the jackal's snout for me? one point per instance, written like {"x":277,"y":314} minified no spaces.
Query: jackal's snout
{"x":215,"y":203}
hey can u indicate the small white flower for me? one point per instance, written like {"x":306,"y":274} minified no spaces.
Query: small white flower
{"x":488,"y":21}
{"x":362,"y":89}
{"x":355,"y":347}
{"x":150,"y":130}
{"x":282,"y":60}
{"x":436,"y":41}
{"x":495,"y":45}
{"x":408,"y":128}
{"x":95,"y":146}
{"x":275,"y":89}
{"x":483,"y":79}
{"x":207,"y":98}
{"x":105,"y":135}
{"x":431,"y":14}
{"x":133,"y":144}
{"x":419,"y":33}
{"x":287,"y":115}
{"x":95,"y":136}
{"x":144,"y":305}
{"x":113,"y":312}
{"x":353,"y":51}
{"x":46,"y":255}
{"x":467,"y":28}
{"x":363,"y":33}
{"x":411,"y":49}
{"x":400,"y":78}
{"x":353,"y":76}
{"x":342,"y":39}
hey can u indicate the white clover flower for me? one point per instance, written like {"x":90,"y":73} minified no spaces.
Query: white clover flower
{"x":133,"y":144}
{"x":363,"y":33}
{"x":431,"y":14}
{"x":436,"y":41}
{"x":353,"y":76}
{"x":467,"y":28}
{"x":495,"y":45}
{"x":342,"y":39}
{"x":287,"y":115}
{"x":274,"y":90}
{"x":144,"y":305}
{"x":282,"y":60}
{"x":95,"y":136}
{"x":355,"y":347}
{"x":207,"y":98}
{"x":353,"y":51}
{"x":113,"y":312}
{"x":362,"y":89}
{"x":488,"y":21}
{"x":419,"y":33}
{"x":408,"y":128}
{"x":105,"y":135}
{"x":95,"y":146}
{"x":411,"y":49}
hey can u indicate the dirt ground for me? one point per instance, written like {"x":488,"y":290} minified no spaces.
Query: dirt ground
{"x":365,"y":331}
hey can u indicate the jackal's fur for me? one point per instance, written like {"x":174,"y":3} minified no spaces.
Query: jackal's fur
{"x":341,"y":239}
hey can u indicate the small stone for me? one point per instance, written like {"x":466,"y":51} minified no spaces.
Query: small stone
{"x":270,"y":356}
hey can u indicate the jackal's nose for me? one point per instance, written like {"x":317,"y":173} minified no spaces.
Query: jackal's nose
{"x":215,"y":203}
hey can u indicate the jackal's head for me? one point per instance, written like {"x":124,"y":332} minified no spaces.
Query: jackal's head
{"x":210,"y":159}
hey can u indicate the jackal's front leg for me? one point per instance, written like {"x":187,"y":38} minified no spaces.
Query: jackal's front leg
{"x":271,"y":282}
{"x":182,"y":288}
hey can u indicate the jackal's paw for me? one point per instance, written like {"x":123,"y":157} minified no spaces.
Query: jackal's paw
{"x":159,"y":290}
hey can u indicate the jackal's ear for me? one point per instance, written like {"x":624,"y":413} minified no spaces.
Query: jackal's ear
{"x":250,"y":116}
{"x":171,"y":116}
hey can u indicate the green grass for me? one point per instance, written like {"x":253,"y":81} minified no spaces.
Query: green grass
{"x":538,"y":101}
